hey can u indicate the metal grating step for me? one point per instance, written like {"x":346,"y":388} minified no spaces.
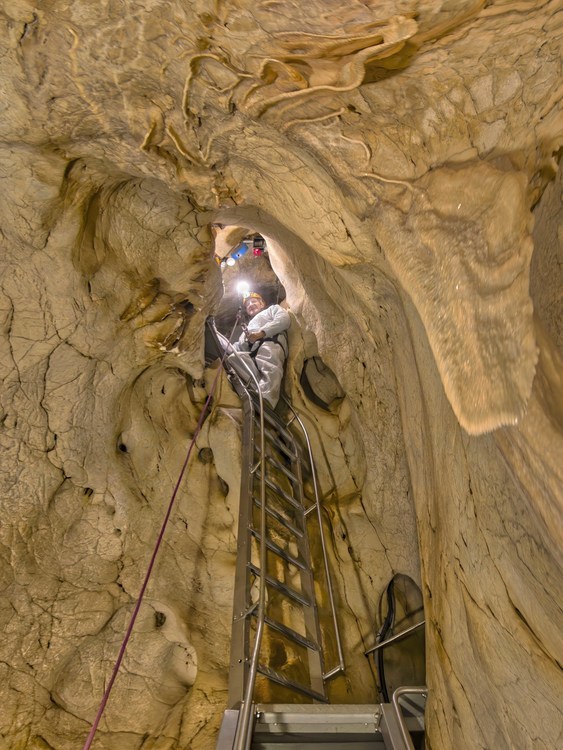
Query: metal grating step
{"x":312,"y":726}
{"x":319,"y":722}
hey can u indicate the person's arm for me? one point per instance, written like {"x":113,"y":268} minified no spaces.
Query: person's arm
{"x":277,"y":320}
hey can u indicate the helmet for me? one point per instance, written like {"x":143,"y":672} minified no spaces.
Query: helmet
{"x":253,"y":295}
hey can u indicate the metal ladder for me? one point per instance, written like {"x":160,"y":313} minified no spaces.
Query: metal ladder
{"x":290,"y":607}
{"x":275,"y":615}
{"x":276,"y":634}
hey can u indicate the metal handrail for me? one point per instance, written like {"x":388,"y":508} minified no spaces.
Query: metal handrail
{"x":399,"y":692}
{"x":397,"y":637}
{"x":340,"y":667}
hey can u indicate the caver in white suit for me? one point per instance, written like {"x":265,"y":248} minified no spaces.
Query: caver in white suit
{"x":263,"y":345}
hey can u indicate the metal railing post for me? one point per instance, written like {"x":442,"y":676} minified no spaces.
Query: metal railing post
{"x":399,"y":692}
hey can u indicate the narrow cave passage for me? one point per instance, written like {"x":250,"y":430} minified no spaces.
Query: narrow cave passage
{"x":246,"y":267}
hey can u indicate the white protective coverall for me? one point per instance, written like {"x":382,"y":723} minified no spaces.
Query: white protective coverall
{"x":266,"y":357}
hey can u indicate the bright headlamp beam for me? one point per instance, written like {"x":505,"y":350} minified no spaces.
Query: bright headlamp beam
{"x":243,"y":288}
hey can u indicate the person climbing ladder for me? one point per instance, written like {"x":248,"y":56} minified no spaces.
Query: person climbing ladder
{"x":263,"y":344}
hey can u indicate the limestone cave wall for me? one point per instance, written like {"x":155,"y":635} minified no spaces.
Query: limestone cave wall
{"x":401,"y":158}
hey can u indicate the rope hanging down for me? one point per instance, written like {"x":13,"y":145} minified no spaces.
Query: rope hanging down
{"x":121,"y":654}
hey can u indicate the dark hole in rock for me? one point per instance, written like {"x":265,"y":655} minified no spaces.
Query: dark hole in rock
{"x":320,"y":384}
{"x":159,"y":619}
{"x":185,"y":305}
{"x":205,"y":456}
{"x":402,"y":663}
{"x":122,"y":447}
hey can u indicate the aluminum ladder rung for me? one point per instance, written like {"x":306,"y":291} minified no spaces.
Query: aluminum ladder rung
{"x":272,"y":438}
{"x":271,"y":674}
{"x":277,"y":424}
{"x":279,"y":492}
{"x":281,"y":519}
{"x":291,"y":634}
{"x":288,"y":591}
{"x":277,"y":550}
{"x":288,"y":473}
{"x":294,"y":457}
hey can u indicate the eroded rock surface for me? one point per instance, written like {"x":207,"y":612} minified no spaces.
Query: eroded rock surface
{"x":401,"y":159}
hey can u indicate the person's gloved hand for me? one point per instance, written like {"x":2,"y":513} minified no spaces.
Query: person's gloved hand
{"x":256,"y":336}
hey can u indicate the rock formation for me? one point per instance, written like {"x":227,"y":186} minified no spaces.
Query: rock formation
{"x":401,"y":158}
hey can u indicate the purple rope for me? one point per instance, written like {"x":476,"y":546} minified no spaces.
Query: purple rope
{"x":91,"y":735}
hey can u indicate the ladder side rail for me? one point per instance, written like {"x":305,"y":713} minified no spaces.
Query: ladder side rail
{"x":243,"y":736}
{"x":241,"y":598}
{"x":240,"y":629}
{"x":340,"y":667}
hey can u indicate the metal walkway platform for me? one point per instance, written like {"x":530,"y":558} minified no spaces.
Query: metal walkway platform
{"x":335,"y":727}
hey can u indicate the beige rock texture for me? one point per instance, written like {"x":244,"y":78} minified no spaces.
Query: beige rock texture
{"x":402,"y":160}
